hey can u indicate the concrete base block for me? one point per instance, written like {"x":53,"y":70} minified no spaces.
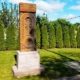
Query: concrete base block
{"x":28,"y":64}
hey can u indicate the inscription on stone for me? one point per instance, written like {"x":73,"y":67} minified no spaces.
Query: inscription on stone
{"x":27,"y":23}
{"x":28,"y":60}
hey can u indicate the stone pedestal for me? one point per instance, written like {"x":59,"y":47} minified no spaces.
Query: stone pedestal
{"x":28,"y":63}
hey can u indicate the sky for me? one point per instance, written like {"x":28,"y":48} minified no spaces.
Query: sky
{"x":55,"y":9}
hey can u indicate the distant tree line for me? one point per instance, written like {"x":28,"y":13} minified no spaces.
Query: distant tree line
{"x":49,"y":34}
{"x":8,"y":26}
{"x":57,"y":34}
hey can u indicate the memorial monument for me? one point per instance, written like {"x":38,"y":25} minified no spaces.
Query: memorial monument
{"x":28,"y":60}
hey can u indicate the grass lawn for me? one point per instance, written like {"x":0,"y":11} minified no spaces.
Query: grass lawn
{"x":52,"y":60}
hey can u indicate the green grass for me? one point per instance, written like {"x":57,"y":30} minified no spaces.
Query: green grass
{"x":73,"y":53}
{"x":51,"y":59}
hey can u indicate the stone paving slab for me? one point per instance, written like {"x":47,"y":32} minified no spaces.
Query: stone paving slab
{"x":74,"y":65}
{"x":77,"y":77}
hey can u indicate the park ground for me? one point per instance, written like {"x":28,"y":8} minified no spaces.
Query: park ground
{"x":54,"y":61}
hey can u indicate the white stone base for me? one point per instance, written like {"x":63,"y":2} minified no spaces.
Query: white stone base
{"x":28,"y":63}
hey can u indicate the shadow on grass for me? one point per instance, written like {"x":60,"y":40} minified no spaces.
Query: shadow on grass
{"x":55,"y":68}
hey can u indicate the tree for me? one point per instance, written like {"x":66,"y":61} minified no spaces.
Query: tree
{"x":52,"y":38}
{"x":73,"y":41}
{"x":2,"y":41}
{"x":17,"y":38}
{"x":44,"y":32}
{"x":11,"y":38}
{"x":38,"y":23}
{"x":65,"y":30}
{"x":59,"y":38}
{"x":9,"y":15}
{"x":38,"y":38}
{"x":38,"y":20}
{"x":78,"y":37}
{"x":5,"y":14}
{"x":66,"y":37}
{"x":10,"y":25}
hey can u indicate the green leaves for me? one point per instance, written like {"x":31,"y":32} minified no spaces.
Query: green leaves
{"x":38,"y":37}
{"x":2,"y":40}
{"x":11,"y":37}
{"x":44,"y":34}
{"x":73,"y":40}
{"x":59,"y":37}
{"x":78,"y":37}
{"x":52,"y":37}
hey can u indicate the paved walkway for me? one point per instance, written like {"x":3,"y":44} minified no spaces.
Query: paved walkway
{"x":75,"y":65}
{"x":77,"y":77}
